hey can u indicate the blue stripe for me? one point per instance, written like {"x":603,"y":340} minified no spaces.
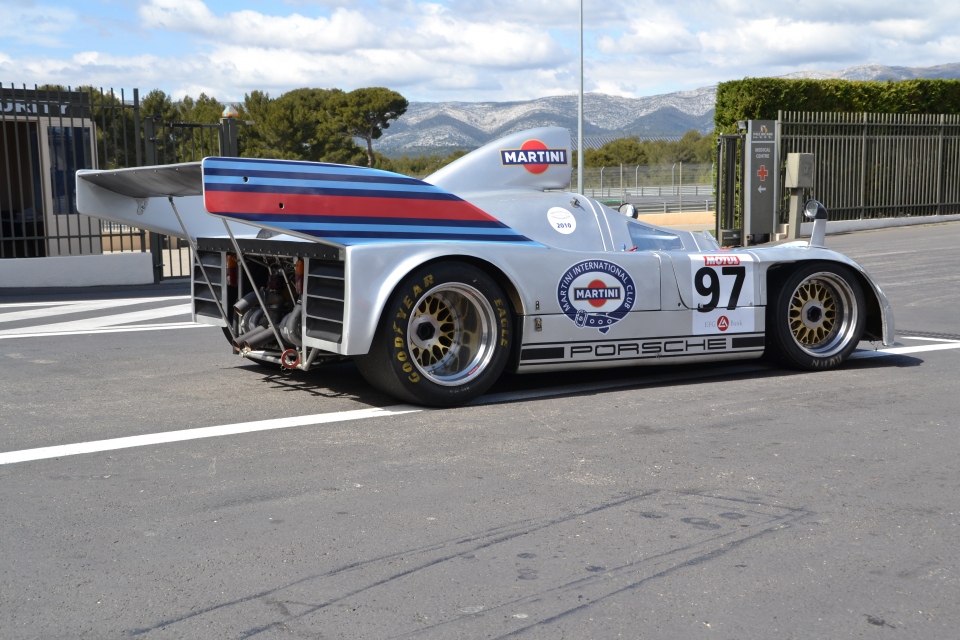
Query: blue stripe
{"x":338,"y":236}
{"x":304,"y":165}
{"x":365,"y":220}
{"x":332,"y":229}
{"x":324,"y":191}
{"x":300,"y":175}
{"x":332,"y":183}
{"x":353,"y":241}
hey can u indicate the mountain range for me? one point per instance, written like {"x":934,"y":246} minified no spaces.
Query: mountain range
{"x":442,"y":127}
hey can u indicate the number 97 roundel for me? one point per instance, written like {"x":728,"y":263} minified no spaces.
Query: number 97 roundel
{"x":722,"y":293}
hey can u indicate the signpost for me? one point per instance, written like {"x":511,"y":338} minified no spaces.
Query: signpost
{"x":762,"y":170}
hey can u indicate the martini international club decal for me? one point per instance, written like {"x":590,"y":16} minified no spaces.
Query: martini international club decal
{"x":596,"y":294}
{"x":534,"y":156}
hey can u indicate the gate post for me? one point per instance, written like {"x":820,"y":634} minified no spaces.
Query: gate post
{"x":228,"y":138}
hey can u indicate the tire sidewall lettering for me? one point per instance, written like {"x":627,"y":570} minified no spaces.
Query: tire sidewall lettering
{"x":402,"y":358}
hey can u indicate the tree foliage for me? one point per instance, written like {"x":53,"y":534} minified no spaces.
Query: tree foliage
{"x":692,"y":147}
{"x":365,"y":113}
{"x":762,"y":98}
{"x":295,"y":126}
{"x":421,"y":166}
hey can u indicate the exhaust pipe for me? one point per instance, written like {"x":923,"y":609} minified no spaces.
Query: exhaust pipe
{"x":243,"y":304}
{"x":257,"y":338}
{"x":291,"y":326}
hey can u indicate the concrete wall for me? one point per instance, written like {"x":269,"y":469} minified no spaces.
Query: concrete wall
{"x":77,"y":271}
{"x":846,"y":226}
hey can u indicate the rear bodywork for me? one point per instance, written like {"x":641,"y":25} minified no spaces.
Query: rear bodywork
{"x":589,"y":287}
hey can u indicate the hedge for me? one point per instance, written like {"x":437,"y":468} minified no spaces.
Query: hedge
{"x":761,"y":98}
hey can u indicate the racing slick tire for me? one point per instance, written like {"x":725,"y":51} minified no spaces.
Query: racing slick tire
{"x":817,"y":316}
{"x":444,"y":337}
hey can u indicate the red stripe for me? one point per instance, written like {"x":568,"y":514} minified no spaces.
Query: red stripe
{"x":226,"y":202}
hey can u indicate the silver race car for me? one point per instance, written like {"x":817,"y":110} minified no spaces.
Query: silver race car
{"x":435,"y":287}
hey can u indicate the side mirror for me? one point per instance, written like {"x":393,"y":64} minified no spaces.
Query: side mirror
{"x":628,"y":210}
{"x":813,"y":210}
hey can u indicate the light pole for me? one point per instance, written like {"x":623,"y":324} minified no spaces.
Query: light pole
{"x":580,"y":113}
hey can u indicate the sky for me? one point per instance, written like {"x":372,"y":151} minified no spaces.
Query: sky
{"x":458,"y":50}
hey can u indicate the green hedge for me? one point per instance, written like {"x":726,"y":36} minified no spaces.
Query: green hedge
{"x":761,"y":98}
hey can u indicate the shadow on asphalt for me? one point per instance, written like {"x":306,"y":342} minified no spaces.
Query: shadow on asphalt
{"x":342,"y":380}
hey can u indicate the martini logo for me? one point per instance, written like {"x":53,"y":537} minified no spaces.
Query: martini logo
{"x":723,"y":323}
{"x":596,"y":294}
{"x":534,"y":156}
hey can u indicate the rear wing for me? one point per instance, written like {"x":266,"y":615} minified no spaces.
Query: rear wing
{"x":335,"y":204}
{"x":140,"y":197}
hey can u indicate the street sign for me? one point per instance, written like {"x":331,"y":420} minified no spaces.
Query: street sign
{"x":762,"y":170}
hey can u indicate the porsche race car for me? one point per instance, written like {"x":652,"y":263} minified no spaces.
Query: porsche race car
{"x":435,"y":287}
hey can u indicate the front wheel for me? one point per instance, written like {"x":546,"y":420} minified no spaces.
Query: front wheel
{"x":817,"y":316}
{"x":443,"y":339}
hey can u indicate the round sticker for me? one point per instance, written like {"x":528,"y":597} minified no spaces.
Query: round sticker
{"x":596,"y":294}
{"x":562,"y":220}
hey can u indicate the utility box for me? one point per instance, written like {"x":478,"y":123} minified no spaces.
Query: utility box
{"x":799,"y":173}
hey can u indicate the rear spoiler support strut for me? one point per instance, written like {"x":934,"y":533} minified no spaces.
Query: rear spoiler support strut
{"x":246,"y":270}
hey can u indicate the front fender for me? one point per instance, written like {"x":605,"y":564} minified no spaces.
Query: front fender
{"x":880,"y":320}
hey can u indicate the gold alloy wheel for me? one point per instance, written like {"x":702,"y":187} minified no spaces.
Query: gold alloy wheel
{"x":813,"y":313}
{"x":450,"y":334}
{"x":822,"y":314}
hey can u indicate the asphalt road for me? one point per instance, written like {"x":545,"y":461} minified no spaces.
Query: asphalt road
{"x":695,"y":502}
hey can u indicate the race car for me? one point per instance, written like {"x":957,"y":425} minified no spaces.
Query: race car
{"x":435,"y":287}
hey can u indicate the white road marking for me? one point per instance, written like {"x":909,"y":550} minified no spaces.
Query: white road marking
{"x":24,"y":305}
{"x":78,"y":306}
{"x":897,"y":351}
{"x":44,"y":453}
{"x":87,"y":332}
{"x":102,"y":321}
{"x":930,"y":339}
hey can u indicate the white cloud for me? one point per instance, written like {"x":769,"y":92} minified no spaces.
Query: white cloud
{"x":342,"y":31}
{"x":38,"y":25}
{"x":657,"y":33}
{"x":776,"y":42}
{"x":466,"y":49}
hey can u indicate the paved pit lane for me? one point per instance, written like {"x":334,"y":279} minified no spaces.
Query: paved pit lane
{"x":724,"y":501}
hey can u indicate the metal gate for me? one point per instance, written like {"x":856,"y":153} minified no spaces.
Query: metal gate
{"x":730,"y":201}
{"x":878,"y":165}
{"x":47,"y":134}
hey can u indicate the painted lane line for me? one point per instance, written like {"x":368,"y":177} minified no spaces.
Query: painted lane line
{"x":930,"y":339}
{"x":77,"y":306}
{"x":44,"y":453}
{"x":88,"y":332}
{"x":105,"y":321}
{"x":96,"y":446}
{"x":896,"y":351}
{"x":26,"y":305}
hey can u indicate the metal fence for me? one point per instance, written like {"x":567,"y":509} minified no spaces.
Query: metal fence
{"x":47,"y":134}
{"x":620,"y":182}
{"x":871,"y":165}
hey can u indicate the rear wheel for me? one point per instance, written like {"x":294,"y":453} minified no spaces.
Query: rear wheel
{"x":818,"y":316}
{"x":443,"y":339}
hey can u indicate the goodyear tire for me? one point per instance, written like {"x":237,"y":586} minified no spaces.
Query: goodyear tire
{"x":817,"y":316}
{"x":443,"y":339}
